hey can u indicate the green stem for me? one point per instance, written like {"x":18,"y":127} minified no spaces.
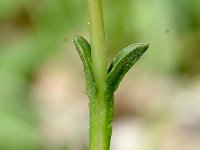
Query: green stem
{"x":97,"y":41}
{"x":101,"y":118}
{"x":99,"y":134}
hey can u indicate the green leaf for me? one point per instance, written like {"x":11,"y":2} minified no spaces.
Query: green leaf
{"x":124,"y":60}
{"x":84,"y":50}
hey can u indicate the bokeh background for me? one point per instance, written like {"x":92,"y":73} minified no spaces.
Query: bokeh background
{"x":43,"y":103}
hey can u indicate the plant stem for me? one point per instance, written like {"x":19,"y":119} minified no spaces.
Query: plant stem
{"x":97,"y":40}
{"x":99,"y":138}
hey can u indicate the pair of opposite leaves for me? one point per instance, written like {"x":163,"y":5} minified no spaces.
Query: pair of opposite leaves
{"x":120,"y":65}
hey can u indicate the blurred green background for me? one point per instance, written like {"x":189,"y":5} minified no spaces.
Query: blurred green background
{"x":43,"y":105}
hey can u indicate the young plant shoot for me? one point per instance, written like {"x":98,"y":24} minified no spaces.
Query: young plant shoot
{"x":101,"y":83}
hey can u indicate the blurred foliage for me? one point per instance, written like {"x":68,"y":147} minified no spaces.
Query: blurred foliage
{"x":33,"y":30}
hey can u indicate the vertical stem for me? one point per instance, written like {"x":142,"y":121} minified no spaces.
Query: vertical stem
{"x":99,"y":137}
{"x":97,"y":40}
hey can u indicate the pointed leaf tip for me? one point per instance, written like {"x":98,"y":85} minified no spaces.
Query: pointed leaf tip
{"x":82,"y":46}
{"x":123,"y":61}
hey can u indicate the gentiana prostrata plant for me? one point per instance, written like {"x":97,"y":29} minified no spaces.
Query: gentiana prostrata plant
{"x":101,"y":83}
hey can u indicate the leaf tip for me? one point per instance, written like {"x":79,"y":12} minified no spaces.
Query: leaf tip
{"x":143,"y":46}
{"x":76,"y":38}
